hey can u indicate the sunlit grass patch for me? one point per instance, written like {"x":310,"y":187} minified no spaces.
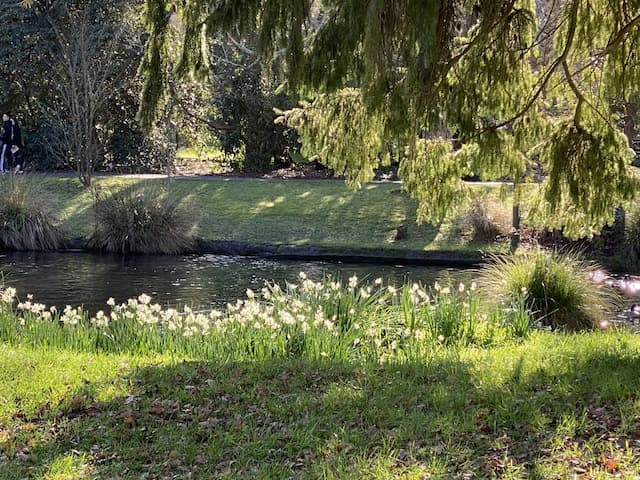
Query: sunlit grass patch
{"x":68,"y":467}
{"x":550,"y":406}
{"x":319,"y":213}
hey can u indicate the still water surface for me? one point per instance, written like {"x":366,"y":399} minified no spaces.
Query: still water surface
{"x":200,"y":280}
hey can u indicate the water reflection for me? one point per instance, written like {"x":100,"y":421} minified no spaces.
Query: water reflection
{"x":200,"y":280}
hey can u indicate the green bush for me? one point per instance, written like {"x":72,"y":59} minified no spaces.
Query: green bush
{"x":556,"y":288}
{"x":143,"y":220}
{"x":25,"y":221}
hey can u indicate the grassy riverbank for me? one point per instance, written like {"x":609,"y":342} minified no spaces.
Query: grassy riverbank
{"x":281,"y":212}
{"x":322,"y":381}
{"x":552,"y":406}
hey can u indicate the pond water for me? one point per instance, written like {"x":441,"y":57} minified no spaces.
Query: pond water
{"x":199,"y":281}
{"x":203,"y":281}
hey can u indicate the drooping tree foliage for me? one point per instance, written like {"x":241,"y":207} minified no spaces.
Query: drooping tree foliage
{"x":447,"y":87}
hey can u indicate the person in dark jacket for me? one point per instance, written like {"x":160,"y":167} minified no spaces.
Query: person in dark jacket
{"x":16,"y":144}
{"x":5,"y":139}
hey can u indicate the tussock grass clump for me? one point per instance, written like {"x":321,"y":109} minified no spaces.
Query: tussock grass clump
{"x":25,"y":221}
{"x":143,"y":220}
{"x":556,"y":288}
{"x":488,"y":219}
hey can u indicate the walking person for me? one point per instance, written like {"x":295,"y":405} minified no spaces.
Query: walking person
{"x":16,"y":144}
{"x":5,"y":141}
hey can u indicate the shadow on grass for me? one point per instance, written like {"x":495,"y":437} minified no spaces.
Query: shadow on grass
{"x":296,"y":419}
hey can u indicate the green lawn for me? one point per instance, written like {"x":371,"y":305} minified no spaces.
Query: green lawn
{"x":553,"y":406}
{"x":294,"y":212}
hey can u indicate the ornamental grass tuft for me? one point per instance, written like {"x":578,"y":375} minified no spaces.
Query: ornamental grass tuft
{"x":557,"y":288}
{"x":25,"y":221}
{"x":143,"y":220}
{"x":488,"y":219}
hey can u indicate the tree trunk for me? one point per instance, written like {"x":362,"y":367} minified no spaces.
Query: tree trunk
{"x":515,"y":235}
{"x":171,"y":133}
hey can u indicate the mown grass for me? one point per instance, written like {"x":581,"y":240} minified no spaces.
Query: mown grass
{"x":552,"y":406}
{"x":298,"y":212}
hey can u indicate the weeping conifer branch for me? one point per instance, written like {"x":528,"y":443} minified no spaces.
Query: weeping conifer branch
{"x":381,"y":74}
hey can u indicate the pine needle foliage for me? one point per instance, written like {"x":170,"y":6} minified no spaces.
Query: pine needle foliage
{"x":25,"y":221}
{"x":143,"y":220}
{"x":508,"y":81}
{"x":556,"y":288}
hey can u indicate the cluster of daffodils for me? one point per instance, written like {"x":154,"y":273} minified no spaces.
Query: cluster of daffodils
{"x":7,"y":298}
{"x":327,"y":306}
{"x":36,"y":309}
{"x":152,"y":315}
{"x":277,"y":310}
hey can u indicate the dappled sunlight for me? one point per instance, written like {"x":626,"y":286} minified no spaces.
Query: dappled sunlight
{"x":277,"y":212}
{"x":265,"y":204}
{"x":38,"y":384}
{"x":340,"y":396}
{"x":69,"y":467}
{"x":331,"y":199}
{"x":522,"y":408}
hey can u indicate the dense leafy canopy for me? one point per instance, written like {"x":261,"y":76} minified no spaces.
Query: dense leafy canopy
{"x":233,"y":110}
{"x":448,"y":87}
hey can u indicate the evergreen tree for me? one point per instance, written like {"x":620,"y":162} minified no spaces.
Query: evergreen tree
{"x":502,"y":82}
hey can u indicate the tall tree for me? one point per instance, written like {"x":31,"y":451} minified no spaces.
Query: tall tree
{"x":503,"y":81}
{"x":246,"y":100}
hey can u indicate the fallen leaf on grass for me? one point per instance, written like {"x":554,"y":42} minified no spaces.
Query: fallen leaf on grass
{"x":22,"y":456}
{"x":402,"y":457}
{"x":496,"y":464}
{"x":77,"y":403}
{"x":156,"y":408}
{"x":129,"y":419}
{"x":610,"y":464}
{"x":93,"y":410}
